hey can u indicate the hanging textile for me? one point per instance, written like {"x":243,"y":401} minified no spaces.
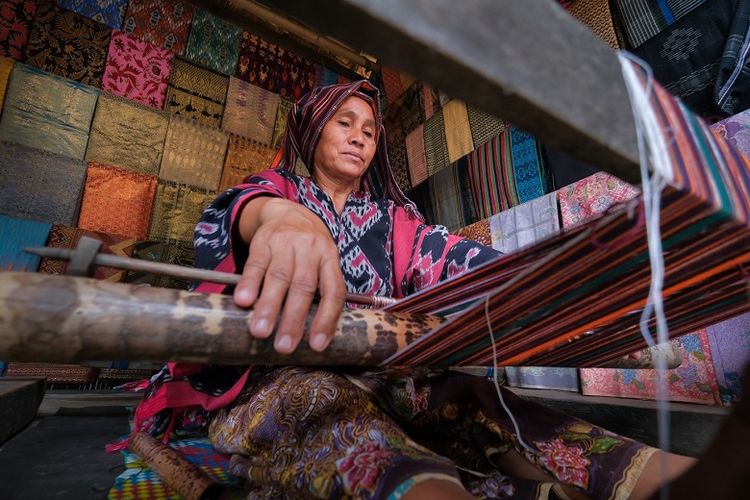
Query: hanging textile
{"x":525,"y":224}
{"x":528,"y":166}
{"x":6,"y":66}
{"x":416,"y":156}
{"x":730,"y":353}
{"x":457,"y":132}
{"x":109,"y":12}
{"x":47,"y":112}
{"x":127,"y":135}
{"x":117,"y":201}
{"x":177,"y":209}
{"x":430,"y":101}
{"x":17,"y":235}
{"x":736,"y":131}
{"x":597,"y":17}
{"x":478,"y":231}
{"x":435,"y":146}
{"x":68,"y":237}
{"x":484,"y":126}
{"x":196,"y":93}
{"x":258,"y":62}
{"x":492,"y":179}
{"x":68,"y":45}
{"x":213,"y":43}
{"x":137,"y":70}
{"x":279,"y":126}
{"x":193,"y":154}
{"x":643,"y":20}
{"x":164,"y":23}
{"x":250,"y":111}
{"x":395,"y":82}
{"x":538,"y":377}
{"x":446,"y":188}
{"x":733,"y":80}
{"x":591,"y":197}
{"x":296,"y":75}
{"x":244,"y":157}
{"x":38,"y":185}
{"x":400,"y":119}
{"x":15,"y":25}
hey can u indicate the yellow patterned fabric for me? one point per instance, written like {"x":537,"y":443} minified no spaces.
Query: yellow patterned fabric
{"x":196,"y":93}
{"x":244,"y":157}
{"x":250,"y":111}
{"x":457,"y":130}
{"x":6,"y":65}
{"x":177,"y":210}
{"x":193,"y":154}
{"x":127,"y":135}
{"x":285,"y":106}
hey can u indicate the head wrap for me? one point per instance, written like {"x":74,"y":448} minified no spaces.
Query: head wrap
{"x":305,"y":124}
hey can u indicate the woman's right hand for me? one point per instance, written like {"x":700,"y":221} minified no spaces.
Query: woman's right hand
{"x":292,"y":255}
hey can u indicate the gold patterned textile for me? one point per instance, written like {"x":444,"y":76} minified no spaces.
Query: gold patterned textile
{"x":177,"y":209}
{"x":196,"y":93}
{"x":117,"y":201}
{"x":47,"y":112}
{"x":244,"y":157}
{"x":285,"y":106}
{"x":484,"y":126}
{"x":457,"y":130}
{"x":6,"y":65}
{"x":193,"y":154}
{"x":127,"y":135}
{"x":250,"y":111}
{"x":596,"y":15}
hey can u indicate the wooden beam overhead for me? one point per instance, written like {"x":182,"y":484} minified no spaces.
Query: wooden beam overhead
{"x":526,"y":61}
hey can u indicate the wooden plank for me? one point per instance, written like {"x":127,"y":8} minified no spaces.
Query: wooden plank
{"x":19,"y":399}
{"x":528,"y":62}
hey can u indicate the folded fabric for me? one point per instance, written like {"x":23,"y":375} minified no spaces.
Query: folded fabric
{"x":435,"y":145}
{"x":591,"y":197}
{"x":735,"y":130}
{"x":17,"y":235}
{"x":213,"y":43}
{"x":732,"y":89}
{"x":457,"y":131}
{"x":430,"y":101}
{"x":596,"y":15}
{"x":250,"y":111}
{"x":445,"y":194}
{"x":196,"y":93}
{"x":6,"y":66}
{"x":730,"y":353}
{"x":164,"y":23}
{"x":531,"y":179}
{"x":525,"y":224}
{"x":15,"y":25}
{"x":177,"y":210}
{"x":484,"y":126}
{"x":244,"y":157}
{"x":193,"y":154}
{"x":109,"y":12}
{"x":415,"y":154}
{"x":643,"y":20}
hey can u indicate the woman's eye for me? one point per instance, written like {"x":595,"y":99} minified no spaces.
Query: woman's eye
{"x":344,"y":123}
{"x":368,"y":134}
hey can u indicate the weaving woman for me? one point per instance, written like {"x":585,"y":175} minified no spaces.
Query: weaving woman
{"x":393,"y":433}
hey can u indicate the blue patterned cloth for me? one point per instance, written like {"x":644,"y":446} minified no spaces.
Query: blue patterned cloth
{"x":109,"y":12}
{"x":17,"y":234}
{"x":528,"y":168}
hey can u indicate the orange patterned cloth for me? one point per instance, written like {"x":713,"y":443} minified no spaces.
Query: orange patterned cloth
{"x":479,"y":232}
{"x":244,"y":157}
{"x":117,"y":201}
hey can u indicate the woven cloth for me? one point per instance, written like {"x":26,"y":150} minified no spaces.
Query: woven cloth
{"x":279,"y":126}
{"x":177,"y":209}
{"x":543,"y":377}
{"x":258,"y":61}
{"x":38,"y":185}
{"x":478,"y":231}
{"x":250,"y":111}
{"x":401,"y":118}
{"x":435,"y":145}
{"x":565,"y":169}
{"x":445,"y":194}
{"x":484,"y":126}
{"x":416,"y":156}
{"x":296,"y":75}
{"x":18,"y":234}
{"x":244,"y":157}
{"x":528,"y":166}
{"x":164,"y":23}
{"x":180,"y":253}
{"x":213,"y":43}
{"x":193,"y":154}
{"x":430,"y":101}
{"x":196,"y":93}
{"x":117,"y":201}
{"x":525,"y":224}
{"x":492,"y":179}
{"x":127,"y":135}
{"x":732,"y":89}
{"x":395,"y":82}
{"x":109,"y":12}
{"x":47,"y":112}
{"x":457,"y":131}
{"x":730,"y":351}
{"x":6,"y":66}
{"x":591,"y":197}
{"x":15,"y":25}
{"x":55,"y":373}
{"x":67,"y":44}
{"x":137,"y":70}
{"x":595,"y":14}
{"x":643,"y":20}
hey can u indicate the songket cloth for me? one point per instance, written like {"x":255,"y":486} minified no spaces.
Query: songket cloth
{"x":16,"y":19}
{"x":416,"y":156}
{"x":730,"y":352}
{"x":694,"y":381}
{"x":193,"y":154}
{"x":137,"y":70}
{"x":543,"y":377}
{"x":6,"y":66}
{"x":109,"y":12}
{"x":180,"y":253}
{"x":484,"y":126}
{"x":735,"y":130}
{"x":643,"y":20}
{"x":164,"y":23}
{"x":213,"y":43}
{"x":38,"y":185}
{"x":127,"y":135}
{"x":279,"y":126}
{"x":47,"y":112}
{"x":17,"y":235}
{"x":527,"y":223}
{"x":478,"y":231}
{"x":67,"y":44}
{"x":296,"y":75}
{"x":68,"y":237}
{"x":117,"y":201}
{"x":732,"y":90}
{"x":395,"y":82}
{"x":435,"y":145}
{"x":177,"y":209}
{"x":597,"y":17}
{"x":196,"y":93}
{"x":591,"y":197}
{"x":457,"y":131}
{"x":244,"y":158}
{"x":259,"y":61}
{"x":250,"y":111}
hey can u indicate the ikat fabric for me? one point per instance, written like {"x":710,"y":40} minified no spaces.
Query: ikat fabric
{"x":17,"y":235}
{"x":591,"y":197}
{"x":68,"y":45}
{"x":16,"y":18}
{"x":193,"y":154}
{"x":109,"y":12}
{"x":196,"y":93}
{"x":531,"y":178}
{"x":164,"y":23}
{"x":244,"y":158}
{"x":525,"y":224}
{"x":137,"y":70}
{"x":643,"y":20}
{"x":457,"y":131}
{"x":213,"y":43}
{"x":250,"y":111}
{"x":177,"y":209}
{"x":730,"y":353}
{"x":259,"y":61}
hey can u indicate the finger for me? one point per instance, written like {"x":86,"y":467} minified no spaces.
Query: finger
{"x":332,"y":296}
{"x":275,"y":285}
{"x":299,"y":298}
{"x":246,"y":290}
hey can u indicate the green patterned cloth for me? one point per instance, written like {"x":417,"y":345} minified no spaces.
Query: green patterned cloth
{"x":214,"y":43}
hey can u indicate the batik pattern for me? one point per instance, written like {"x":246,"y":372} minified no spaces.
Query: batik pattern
{"x":213,"y":43}
{"x":592,"y":196}
{"x":164,"y":23}
{"x":109,"y":12}
{"x":16,"y":18}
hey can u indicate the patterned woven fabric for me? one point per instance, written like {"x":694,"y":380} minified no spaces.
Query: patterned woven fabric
{"x":484,"y":126}
{"x":250,"y":111}
{"x":259,"y":61}
{"x":528,"y":166}
{"x":457,"y":131}
{"x":492,"y":179}
{"x":38,"y":185}
{"x":395,"y":82}
{"x":244,"y":157}
{"x":154,"y":251}
{"x":296,"y":75}
{"x":164,"y":23}
{"x":430,"y":101}
{"x":478,"y":231}
{"x":137,"y":70}
{"x":592,"y":196}
{"x":732,"y":89}
{"x":47,"y":112}
{"x":127,"y":135}
{"x":55,"y":373}
{"x":109,"y":12}
{"x":445,"y":194}
{"x":643,"y":20}
{"x":68,"y":237}
{"x":736,"y":131}
{"x":18,"y":234}
{"x":525,"y":224}
{"x":177,"y":209}
{"x":117,"y":201}
{"x":6,"y":66}
{"x":416,"y":156}
{"x":193,"y":154}
{"x":401,"y":118}
{"x":213,"y":43}
{"x":730,"y":352}
{"x":15,"y":25}
{"x":435,"y":146}
{"x":66,"y":44}
{"x":196,"y":93}
{"x":595,"y":14}
{"x":279,"y":126}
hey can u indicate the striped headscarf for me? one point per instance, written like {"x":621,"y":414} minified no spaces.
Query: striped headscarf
{"x":305,"y":124}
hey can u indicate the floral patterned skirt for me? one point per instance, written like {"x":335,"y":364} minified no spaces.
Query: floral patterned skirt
{"x":308,"y":433}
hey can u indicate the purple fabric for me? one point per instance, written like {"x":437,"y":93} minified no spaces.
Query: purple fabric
{"x":730,"y":349}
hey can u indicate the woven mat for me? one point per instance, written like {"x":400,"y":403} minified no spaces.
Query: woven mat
{"x":595,"y":14}
{"x":250,"y":111}
{"x":457,"y":131}
{"x":109,"y":12}
{"x":213,"y":43}
{"x":164,"y":23}
{"x":18,"y":234}
{"x":193,"y":154}
{"x":196,"y":93}
{"x":244,"y":157}
{"x":177,"y":209}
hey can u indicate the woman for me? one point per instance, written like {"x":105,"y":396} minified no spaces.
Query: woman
{"x":301,"y":432}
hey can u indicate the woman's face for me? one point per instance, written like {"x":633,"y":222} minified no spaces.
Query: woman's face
{"x":347,"y":143}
